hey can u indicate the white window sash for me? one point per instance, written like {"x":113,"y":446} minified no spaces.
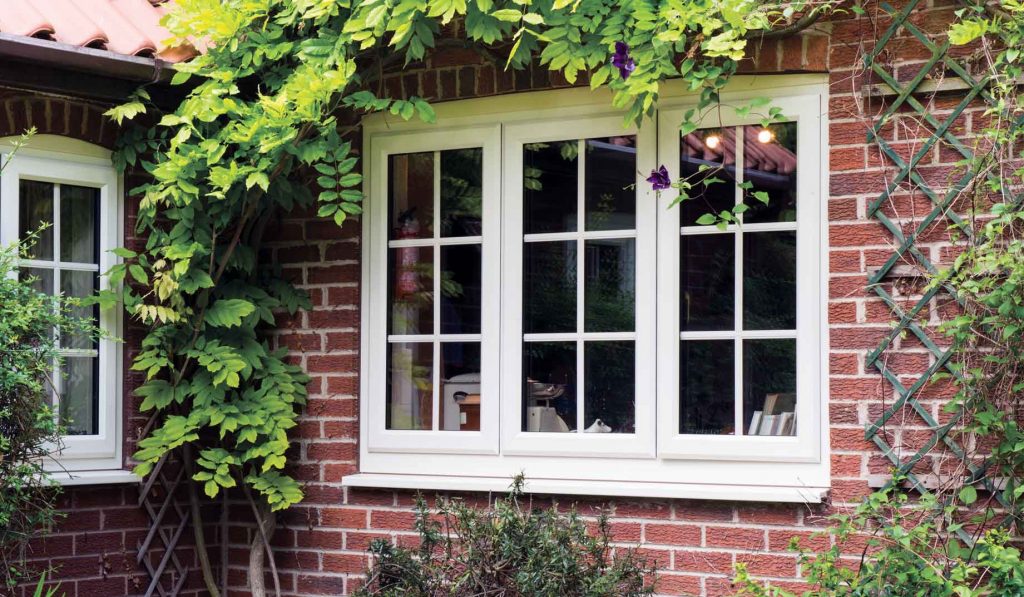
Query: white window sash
{"x":807,"y":111}
{"x":375,"y":239}
{"x":515,"y":441}
{"x":103,"y":450}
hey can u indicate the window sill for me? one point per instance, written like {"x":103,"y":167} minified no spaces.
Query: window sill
{"x":734,"y":493}
{"x":79,"y":478}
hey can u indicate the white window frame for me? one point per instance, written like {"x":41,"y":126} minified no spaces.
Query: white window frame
{"x":376,"y":241}
{"x":49,"y":158}
{"x":806,"y":111}
{"x":647,"y":464}
{"x":515,"y":441}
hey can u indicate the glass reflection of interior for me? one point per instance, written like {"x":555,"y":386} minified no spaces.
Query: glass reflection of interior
{"x":707,"y":289}
{"x":769,"y":387}
{"x":448,"y":183}
{"x":549,"y":394}
{"x":460,"y":386}
{"x":554,"y":195}
{"x":410,"y":385}
{"x":68,"y":265}
{"x":707,"y":398}
{"x":609,"y":374}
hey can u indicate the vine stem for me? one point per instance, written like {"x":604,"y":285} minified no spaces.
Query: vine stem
{"x":197,"y":524}
{"x":265,"y":528}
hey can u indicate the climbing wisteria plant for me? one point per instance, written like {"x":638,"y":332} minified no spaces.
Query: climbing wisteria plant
{"x":257,"y":135}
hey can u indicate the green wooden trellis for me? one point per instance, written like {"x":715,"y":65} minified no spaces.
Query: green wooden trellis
{"x":903,"y":97}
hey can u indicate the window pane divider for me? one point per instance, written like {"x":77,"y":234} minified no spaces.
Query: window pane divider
{"x":435,"y":391}
{"x":571,"y":337}
{"x":738,"y":413}
{"x":581,"y":277}
{"x":541,"y":237}
{"x":743,"y":334}
{"x":733,"y":228}
{"x":407,"y":338}
{"x":434,"y":242}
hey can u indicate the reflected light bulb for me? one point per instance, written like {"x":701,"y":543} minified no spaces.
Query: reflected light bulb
{"x":765,"y":136}
{"x":712,"y":141}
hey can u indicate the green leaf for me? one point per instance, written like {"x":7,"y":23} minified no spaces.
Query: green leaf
{"x":228,"y":312}
{"x":968,"y":494}
{"x":707,"y":219}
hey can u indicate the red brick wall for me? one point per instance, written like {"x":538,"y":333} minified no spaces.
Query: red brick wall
{"x":320,"y":544}
{"x":321,"y":550}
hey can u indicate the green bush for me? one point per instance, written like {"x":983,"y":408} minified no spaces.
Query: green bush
{"x":507,"y":549}
{"x":910,"y":549}
{"x":29,"y":431}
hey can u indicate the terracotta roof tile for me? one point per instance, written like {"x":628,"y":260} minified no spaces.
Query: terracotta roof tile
{"x":129,"y":27}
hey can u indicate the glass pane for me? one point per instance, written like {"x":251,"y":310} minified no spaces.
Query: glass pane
{"x":461,"y":192}
{"x":610,"y":285}
{"x":706,"y":282}
{"x":460,"y":386}
{"x":769,"y":164}
{"x":769,"y":387}
{"x":549,"y":391}
{"x":549,"y":287}
{"x":411,"y":195}
{"x":79,"y":402}
{"x":550,"y":188}
{"x":611,"y":183}
{"x":714,"y":150}
{"x":79,"y":284}
{"x":707,"y":402}
{"x":35,"y":210}
{"x":609,"y":373}
{"x":42,"y":279}
{"x":769,"y":281}
{"x":411,"y":290}
{"x":460,"y":289}
{"x":410,"y":385}
{"x":79,"y":224}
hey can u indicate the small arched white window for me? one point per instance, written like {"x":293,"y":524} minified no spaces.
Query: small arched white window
{"x":70,"y":190}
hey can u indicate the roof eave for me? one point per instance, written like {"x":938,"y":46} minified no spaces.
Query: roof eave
{"x":87,"y":60}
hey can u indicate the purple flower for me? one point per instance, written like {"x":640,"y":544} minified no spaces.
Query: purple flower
{"x":659,"y":179}
{"x":622,"y":61}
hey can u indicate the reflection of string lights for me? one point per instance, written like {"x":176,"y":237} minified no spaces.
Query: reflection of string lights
{"x":765,"y":136}
{"x":712,"y":141}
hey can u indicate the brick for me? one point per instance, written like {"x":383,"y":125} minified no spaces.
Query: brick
{"x":672,"y":534}
{"x":751,"y":539}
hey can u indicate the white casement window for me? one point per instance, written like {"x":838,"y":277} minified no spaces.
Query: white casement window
{"x":533,"y":306}
{"x":70,"y":191}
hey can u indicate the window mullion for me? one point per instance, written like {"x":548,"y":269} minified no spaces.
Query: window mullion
{"x":436,"y":282}
{"x":580,"y":277}
{"x":738,"y":290}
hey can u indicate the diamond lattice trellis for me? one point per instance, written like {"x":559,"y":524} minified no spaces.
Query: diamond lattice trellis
{"x":906,"y":320}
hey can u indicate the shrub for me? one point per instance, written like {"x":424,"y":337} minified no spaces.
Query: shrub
{"x":910,"y":549}
{"x":507,"y":549}
{"x":29,"y":431}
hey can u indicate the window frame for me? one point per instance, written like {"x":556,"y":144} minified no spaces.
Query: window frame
{"x":377,"y":246}
{"x":778,"y":476}
{"x":519,"y":442}
{"x":811,"y":321}
{"x":58,"y":160}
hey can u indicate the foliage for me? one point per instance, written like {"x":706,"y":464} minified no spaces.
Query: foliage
{"x":510,"y":548}
{"x":28,"y":427}
{"x":908,"y":551}
{"x":259,"y":128}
